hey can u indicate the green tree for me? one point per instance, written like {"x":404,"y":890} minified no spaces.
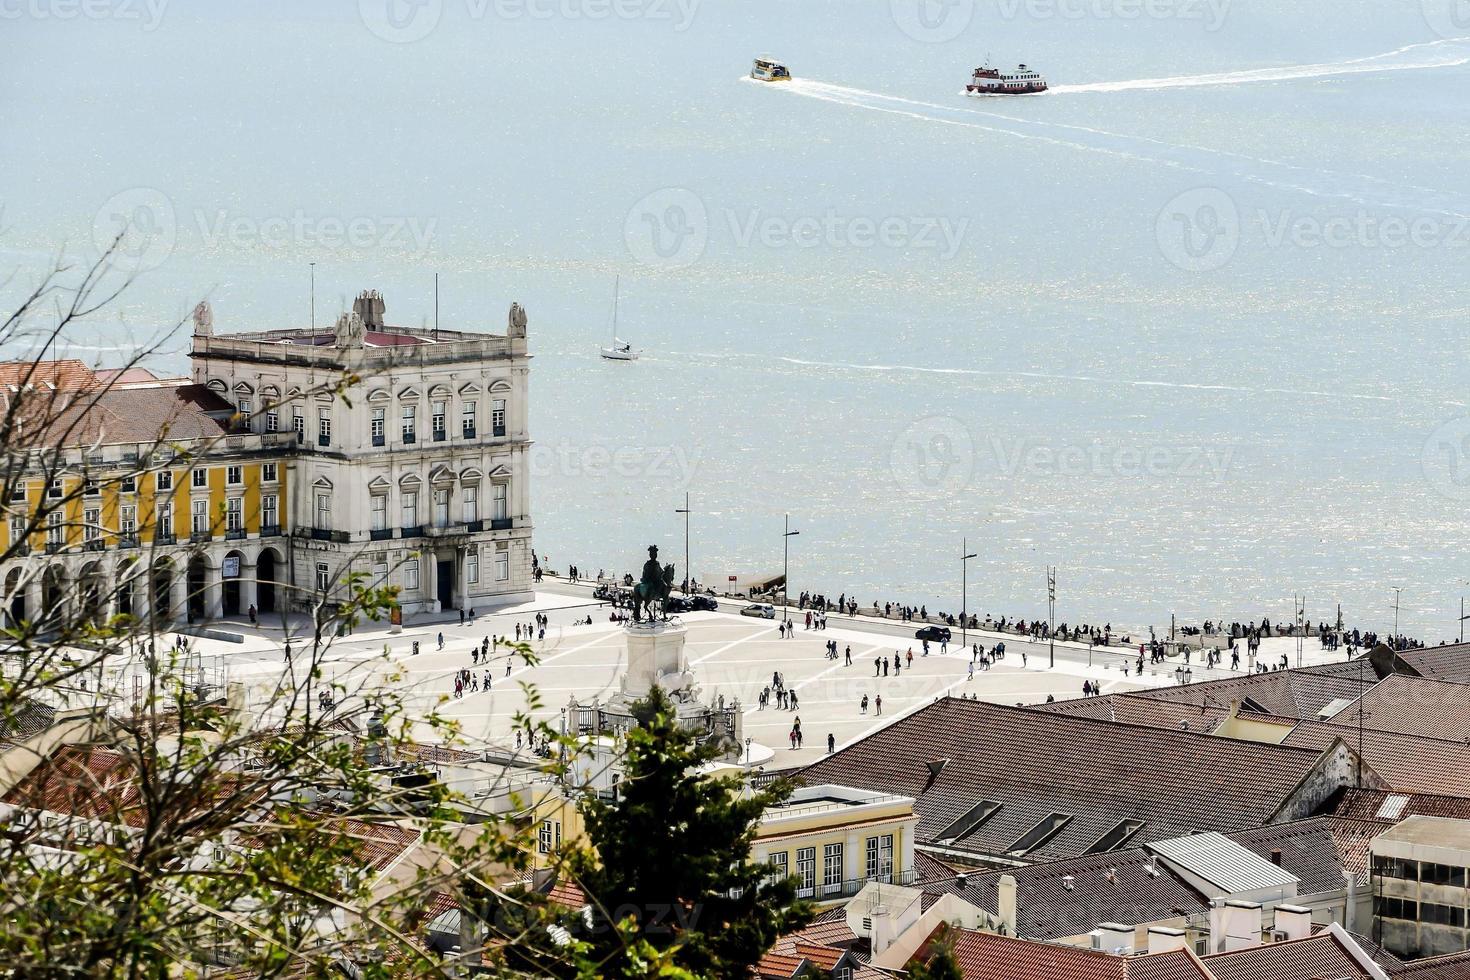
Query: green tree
{"x":936,"y":962}
{"x":668,"y":868}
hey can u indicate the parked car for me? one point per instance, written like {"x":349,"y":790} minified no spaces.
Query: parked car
{"x":704,"y":603}
{"x":603,"y":590}
{"x":761,"y":609}
{"x":934,"y":634}
{"x":691,"y":603}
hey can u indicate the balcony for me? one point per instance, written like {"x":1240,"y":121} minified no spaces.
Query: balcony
{"x":380,"y":534}
{"x":474,"y":527}
{"x":200,"y":537}
{"x":127,"y":541}
{"x":163,"y":537}
{"x":502,"y":523}
{"x":445,"y":530}
{"x":270,"y":530}
{"x":55,"y":547}
{"x":327,"y":534}
{"x":440,"y":435}
{"x":409,"y":438}
{"x":324,"y":441}
{"x":20,"y":550}
{"x":497,"y":431}
{"x":469,"y":432}
{"x":235,"y":534}
{"x":92,"y":544}
{"x":827,"y":892}
{"x":380,"y":441}
{"x":417,"y":531}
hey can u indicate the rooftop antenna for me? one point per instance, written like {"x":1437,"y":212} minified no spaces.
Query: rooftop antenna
{"x":313,"y":296}
{"x":436,"y":306}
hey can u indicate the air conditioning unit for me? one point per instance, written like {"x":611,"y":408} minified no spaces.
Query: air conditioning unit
{"x":1278,"y":935}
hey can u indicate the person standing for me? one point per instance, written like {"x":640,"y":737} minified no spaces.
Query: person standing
{"x":831,"y":743}
{"x":878,"y":704}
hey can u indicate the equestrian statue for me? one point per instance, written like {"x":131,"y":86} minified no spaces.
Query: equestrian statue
{"x":655,"y":586}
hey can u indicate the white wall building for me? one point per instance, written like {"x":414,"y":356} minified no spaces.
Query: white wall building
{"x":417,"y":474}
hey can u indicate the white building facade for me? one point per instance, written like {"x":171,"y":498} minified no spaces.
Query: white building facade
{"x":416,"y":473}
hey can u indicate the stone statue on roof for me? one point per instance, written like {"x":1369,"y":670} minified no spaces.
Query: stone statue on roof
{"x":203,"y":319}
{"x":517,"y":322}
{"x":350,"y":330}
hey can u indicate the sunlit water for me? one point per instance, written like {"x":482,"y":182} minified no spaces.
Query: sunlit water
{"x":902,"y":315}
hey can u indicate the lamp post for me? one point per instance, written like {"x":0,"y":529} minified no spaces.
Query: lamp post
{"x":965,"y":557}
{"x":1397,"y":591}
{"x":688,"y":574}
{"x":1051,"y":613}
{"x":786,"y":564}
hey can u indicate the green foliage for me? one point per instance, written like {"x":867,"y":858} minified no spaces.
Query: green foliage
{"x":937,"y":962}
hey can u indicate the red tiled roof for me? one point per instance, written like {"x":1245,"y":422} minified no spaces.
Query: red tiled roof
{"x":1035,"y":763}
{"x":985,"y":956}
{"x":1406,"y":763}
{"x":1319,"y":956}
{"x":568,"y":894}
{"x":1450,"y":966}
{"x":1412,"y":706}
{"x":62,"y":375}
{"x":779,"y":966}
{"x":1450,"y":662}
{"x":1318,"y":850}
{"x":1389,"y":807}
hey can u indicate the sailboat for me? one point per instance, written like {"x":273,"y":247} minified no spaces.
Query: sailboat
{"x":620,"y":350}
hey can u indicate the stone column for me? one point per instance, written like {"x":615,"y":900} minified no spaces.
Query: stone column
{"x":178,"y":594}
{"x":214,"y":594}
{"x":430,"y":581}
{"x":248,"y":591}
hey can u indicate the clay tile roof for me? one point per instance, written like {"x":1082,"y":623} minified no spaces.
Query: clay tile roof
{"x":1450,"y":662}
{"x":1406,"y":763}
{"x":1313,"y":958}
{"x":143,"y":414}
{"x":1317,"y":851}
{"x":779,"y":965}
{"x":1094,"y":774}
{"x":1285,"y":693}
{"x":1412,"y":706}
{"x":1450,"y":966}
{"x":568,"y":894}
{"x":87,"y":781}
{"x":985,"y":956}
{"x":1389,"y":807}
{"x":63,"y":375}
{"x":825,"y":957}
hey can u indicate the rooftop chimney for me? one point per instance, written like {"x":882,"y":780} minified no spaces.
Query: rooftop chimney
{"x":1067,"y":882}
{"x":1163,"y":939}
{"x":369,"y":306}
{"x":1293,"y":921}
{"x":1276,"y":855}
{"x":1114,"y":938}
{"x":1112,"y":876}
{"x":1005,"y":899}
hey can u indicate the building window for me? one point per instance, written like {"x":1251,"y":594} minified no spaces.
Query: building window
{"x":411,"y":575}
{"x":1441,"y":874}
{"x":502,"y":567}
{"x":165,"y":520}
{"x":55,"y":490}
{"x":467,"y":420}
{"x":91,"y":524}
{"x":437,"y":420}
{"x":243,"y":407}
{"x":164,"y":480}
{"x":324,"y":428}
{"x":806,"y":870}
{"x":298,"y":424}
{"x":777,"y":861}
{"x":273,"y":421}
{"x":234,"y":476}
{"x":235,"y":514}
{"x":90,"y":489}
{"x":201,"y":479}
{"x":18,"y":492}
{"x":880,"y":857}
{"x":441,"y":507}
{"x":471,"y":503}
{"x":268,"y":472}
{"x":410,"y":506}
{"x":497,"y":417}
{"x":410,"y":422}
{"x":378,"y":426}
{"x":832,"y":868}
{"x":323,"y":576}
{"x":199,"y":517}
{"x":380,"y":511}
{"x":128,"y":484}
{"x":472,"y":567}
{"x":1396,"y":908}
{"x":268,"y":511}
{"x":127,"y":521}
{"x":1397,"y":868}
{"x":17,"y":531}
{"x":324,"y":511}
{"x":55,"y":533}
{"x":548,"y":837}
{"x":502,"y":496}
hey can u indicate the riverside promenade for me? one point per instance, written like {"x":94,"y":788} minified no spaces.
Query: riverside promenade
{"x":733,"y":656}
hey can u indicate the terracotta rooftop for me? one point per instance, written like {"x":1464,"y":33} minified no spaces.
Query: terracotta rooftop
{"x":1325,"y":955}
{"x":137,"y":415}
{"x":1412,"y":706}
{"x":1007,"y":772}
{"x":1388,"y":807}
{"x":1317,"y":851}
{"x":1451,"y":966}
{"x":1450,"y":662}
{"x":985,"y":956}
{"x":1405,"y":763}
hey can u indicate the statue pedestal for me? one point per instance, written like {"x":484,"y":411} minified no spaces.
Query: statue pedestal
{"x":656,"y":657}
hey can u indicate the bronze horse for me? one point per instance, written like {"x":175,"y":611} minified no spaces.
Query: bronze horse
{"x":652,"y":588}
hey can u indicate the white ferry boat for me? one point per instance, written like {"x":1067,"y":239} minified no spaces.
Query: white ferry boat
{"x":766,"y":70}
{"x":995,"y":81}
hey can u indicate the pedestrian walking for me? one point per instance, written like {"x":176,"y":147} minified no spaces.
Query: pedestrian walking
{"x":441,"y":641}
{"x":831,"y":743}
{"x":878,"y":704}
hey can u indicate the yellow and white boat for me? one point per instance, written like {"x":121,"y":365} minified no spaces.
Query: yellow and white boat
{"x":766,"y":70}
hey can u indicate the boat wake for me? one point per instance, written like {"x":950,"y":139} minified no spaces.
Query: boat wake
{"x":1361,"y":189}
{"x":1447,"y":53}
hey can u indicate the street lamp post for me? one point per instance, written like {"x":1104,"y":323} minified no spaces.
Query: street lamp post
{"x":1397,"y":591}
{"x":1051,"y":611}
{"x":786,"y":564}
{"x":965,"y":557}
{"x":688,"y":573}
